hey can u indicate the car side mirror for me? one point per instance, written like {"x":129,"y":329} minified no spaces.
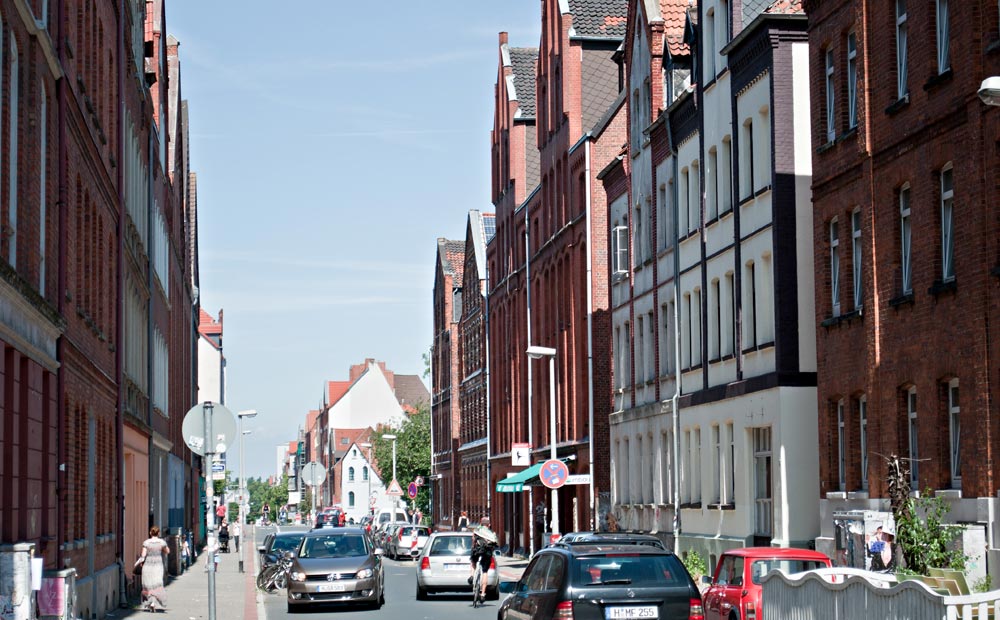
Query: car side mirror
{"x":262,"y":549}
{"x":706,"y":580}
{"x":506,"y":587}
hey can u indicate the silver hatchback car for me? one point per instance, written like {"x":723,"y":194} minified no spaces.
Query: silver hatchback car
{"x":444,"y":565}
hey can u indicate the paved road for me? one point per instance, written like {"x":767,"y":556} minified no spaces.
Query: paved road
{"x":400,"y":600}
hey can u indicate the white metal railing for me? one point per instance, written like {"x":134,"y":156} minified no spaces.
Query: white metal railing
{"x":847,"y":594}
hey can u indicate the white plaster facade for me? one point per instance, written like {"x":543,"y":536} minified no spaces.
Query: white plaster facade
{"x":370,"y":401}
{"x":358,"y":481}
{"x":211,"y":372}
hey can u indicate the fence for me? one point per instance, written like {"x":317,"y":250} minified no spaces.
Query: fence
{"x":846,"y":594}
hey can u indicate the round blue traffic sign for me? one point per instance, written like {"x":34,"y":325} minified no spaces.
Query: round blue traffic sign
{"x":411,"y":490}
{"x":554,"y":473}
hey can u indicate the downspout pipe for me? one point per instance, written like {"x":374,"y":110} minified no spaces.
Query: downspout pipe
{"x":120,"y":305}
{"x":527,"y":293}
{"x":61,"y":96}
{"x":676,"y":399}
{"x":486,"y":369}
{"x":590,"y":338}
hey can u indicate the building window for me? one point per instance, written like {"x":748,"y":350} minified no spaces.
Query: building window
{"x":650,"y":349}
{"x":947,"y":225}
{"x":13,"y":99}
{"x":648,"y":240}
{"x":687,"y":463}
{"x":670,"y":338}
{"x":724,"y":22}
{"x":640,"y":353}
{"x":710,"y":51}
{"x":619,"y":369}
{"x":685,"y":197}
{"x":763,"y":496}
{"x":911,"y":416}
{"x":626,"y":362}
{"x":694,"y":203}
{"x":696,"y":466}
{"x":729,"y":304}
{"x":863,"y":419}
{"x":696,"y":328}
{"x":715,"y":335}
{"x":746,"y":161}
{"x":619,"y":249}
{"x":831,"y":130}
{"x":835,"y":268}
{"x":750,"y":306}
{"x":856,"y":255}
{"x":686,"y":332}
{"x":725,"y":175}
{"x":731,"y":473}
{"x":711,"y":185}
{"x":841,"y":448}
{"x":718,"y":467}
{"x":350,"y":474}
{"x":955,"y":434}
{"x":662,"y":219}
{"x":943,"y":45}
{"x":364,"y":473}
{"x":901,"y":89}
{"x":904,"y":226}
{"x":640,"y":252}
{"x":350,"y":499}
{"x":852,"y":81}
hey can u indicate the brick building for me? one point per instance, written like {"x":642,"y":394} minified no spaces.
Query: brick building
{"x":578,"y":131}
{"x":474,"y":414}
{"x":445,"y":402}
{"x":81,"y":141}
{"x":906,"y":234}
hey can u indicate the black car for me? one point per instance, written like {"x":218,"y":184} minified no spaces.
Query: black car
{"x":277,"y":544}
{"x":602,"y":582}
{"x":618,"y":538}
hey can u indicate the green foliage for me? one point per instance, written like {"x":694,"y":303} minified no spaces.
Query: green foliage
{"x":926,"y":541}
{"x":695,"y":564}
{"x":983,"y":584}
{"x":413,"y":453}
{"x":263,"y":493}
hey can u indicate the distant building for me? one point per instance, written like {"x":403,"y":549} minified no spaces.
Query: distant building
{"x":212,"y":375}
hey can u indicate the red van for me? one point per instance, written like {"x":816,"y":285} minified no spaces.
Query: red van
{"x":735,"y":592}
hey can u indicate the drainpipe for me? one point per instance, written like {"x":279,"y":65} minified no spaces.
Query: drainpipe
{"x":527,"y":292}
{"x":590,"y":340}
{"x":61,"y":96}
{"x":486,"y":370}
{"x":675,"y":400}
{"x":120,"y":304}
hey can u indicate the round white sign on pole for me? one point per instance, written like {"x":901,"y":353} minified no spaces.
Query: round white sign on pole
{"x":313,"y":474}
{"x":223,"y":427}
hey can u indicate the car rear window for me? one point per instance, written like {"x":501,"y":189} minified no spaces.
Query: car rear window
{"x":286,"y":543}
{"x":631,"y":569}
{"x":452,"y":545}
{"x":790,"y":565}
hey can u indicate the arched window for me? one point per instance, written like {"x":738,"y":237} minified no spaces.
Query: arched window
{"x":350,"y":474}
{"x":350,"y":499}
{"x":364,"y":473}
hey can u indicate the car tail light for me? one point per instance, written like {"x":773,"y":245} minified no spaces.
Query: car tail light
{"x":751,"y":611}
{"x":696,"y":611}
{"x":401,"y":533}
{"x":425,"y":564}
{"x":493,"y":564}
{"x":564,"y":610}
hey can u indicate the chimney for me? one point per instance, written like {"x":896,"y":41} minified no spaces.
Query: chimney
{"x":503,"y":38}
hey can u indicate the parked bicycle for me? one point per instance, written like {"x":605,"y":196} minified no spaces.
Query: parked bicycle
{"x":275,"y":576}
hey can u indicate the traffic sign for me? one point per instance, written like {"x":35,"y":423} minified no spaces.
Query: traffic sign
{"x":520,"y":454}
{"x":394,"y":489}
{"x":223,"y":427}
{"x":419,"y":481}
{"x":411,"y":490}
{"x":313,"y":474}
{"x":553,"y":473}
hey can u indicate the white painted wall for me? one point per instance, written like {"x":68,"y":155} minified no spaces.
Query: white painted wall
{"x":369,"y":402}
{"x":211,"y":373}
{"x":357,"y":458}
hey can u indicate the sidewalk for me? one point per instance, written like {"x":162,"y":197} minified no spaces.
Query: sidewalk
{"x":187,"y":594}
{"x":510,"y":568}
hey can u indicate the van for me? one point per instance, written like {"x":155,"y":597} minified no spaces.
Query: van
{"x":389,"y":515}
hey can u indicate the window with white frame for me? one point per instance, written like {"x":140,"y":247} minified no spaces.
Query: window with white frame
{"x":901,"y":89}
{"x":617,"y":345}
{"x":350,"y":499}
{"x":640,"y":349}
{"x":726,"y":175}
{"x":650,"y":350}
{"x":947,"y":225}
{"x":746,"y":160}
{"x":694,"y":204}
{"x":663,"y":224}
{"x":904,"y":230}
{"x":667,"y":470}
{"x":685,"y":197}
{"x":955,"y":434}
{"x":711,"y":185}
{"x":730,"y":485}
{"x":648,"y":239}
{"x":764,"y":300}
{"x":856,"y":255}
{"x":723,"y":20}
{"x":831,"y":87}
{"x":626,"y":361}
{"x":710,"y":51}
{"x":13,"y":98}
{"x":729,"y":307}
{"x":686,"y":331}
{"x":863,"y":422}
{"x":852,"y":80}
{"x":841,"y":448}
{"x":640,"y":251}
{"x":43,"y":157}
{"x":364,"y":473}
{"x":762,"y":152}
{"x":718,"y":467}
{"x":750,"y":306}
{"x":619,"y":249}
{"x":911,"y":416}
{"x":668,"y":364}
{"x":835,"y":267}
{"x":696,"y":466}
{"x":943,"y":37}
{"x":715,"y":321}
{"x":350,"y":474}
{"x":686,"y":464}
{"x":696,"y":327}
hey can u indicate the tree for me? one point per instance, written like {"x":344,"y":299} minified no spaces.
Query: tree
{"x":261,"y":492}
{"x":413,"y":453}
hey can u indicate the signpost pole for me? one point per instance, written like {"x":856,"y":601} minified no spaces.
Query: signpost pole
{"x":207,"y":409}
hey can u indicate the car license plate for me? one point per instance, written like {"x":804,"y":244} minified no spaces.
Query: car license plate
{"x":646,"y":611}
{"x":456,"y":567}
{"x":338,"y":587}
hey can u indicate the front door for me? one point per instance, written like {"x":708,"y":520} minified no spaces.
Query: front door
{"x":763,"y":493}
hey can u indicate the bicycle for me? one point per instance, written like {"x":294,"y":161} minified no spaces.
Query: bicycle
{"x":275,"y":576}
{"x":477,"y":586}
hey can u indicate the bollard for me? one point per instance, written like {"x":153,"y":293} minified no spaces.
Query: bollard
{"x":15,"y":581}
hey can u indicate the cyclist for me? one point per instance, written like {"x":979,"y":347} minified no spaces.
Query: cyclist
{"x":484,"y":542}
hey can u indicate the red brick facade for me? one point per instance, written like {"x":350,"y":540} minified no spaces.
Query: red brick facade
{"x":445,"y":388}
{"x":922,"y":330}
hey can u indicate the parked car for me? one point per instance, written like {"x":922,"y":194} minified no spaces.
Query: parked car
{"x":735,"y":591}
{"x":385,"y":534}
{"x":623,"y":538}
{"x":390,"y":515}
{"x":275,"y":544}
{"x":337,"y":565}
{"x":406,"y":539}
{"x":602,"y":582}
{"x":444,"y":565}
{"x":328,"y":518}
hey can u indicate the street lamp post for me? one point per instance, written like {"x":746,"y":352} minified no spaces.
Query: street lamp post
{"x":249,"y":413}
{"x":535,"y":352}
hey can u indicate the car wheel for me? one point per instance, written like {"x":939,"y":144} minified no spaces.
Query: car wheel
{"x":421,"y":593}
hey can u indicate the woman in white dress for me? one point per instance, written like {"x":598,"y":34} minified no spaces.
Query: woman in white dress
{"x":154,"y":552}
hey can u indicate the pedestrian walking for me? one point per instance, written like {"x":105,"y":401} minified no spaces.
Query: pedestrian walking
{"x":463,"y":522}
{"x":235,"y":532}
{"x":154,"y":552}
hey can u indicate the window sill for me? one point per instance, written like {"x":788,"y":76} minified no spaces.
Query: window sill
{"x":941,"y":287}
{"x":837,"y":495}
{"x":938,"y":80}
{"x":691,"y":506}
{"x":823,"y":148}
{"x":722,"y":506}
{"x":761,"y":191}
{"x":951,"y":494}
{"x":846,"y":317}
{"x":857,"y":495}
{"x":847,"y":135}
{"x":902,"y":300}
{"x":759,"y":347}
{"x":898,"y":105}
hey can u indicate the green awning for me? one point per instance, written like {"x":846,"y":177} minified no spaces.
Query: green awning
{"x":517,"y":482}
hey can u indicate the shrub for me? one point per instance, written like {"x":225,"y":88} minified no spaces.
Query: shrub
{"x":695,"y":564}
{"x":925,"y":540}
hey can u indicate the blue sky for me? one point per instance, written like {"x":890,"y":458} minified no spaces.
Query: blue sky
{"x":334,"y":142}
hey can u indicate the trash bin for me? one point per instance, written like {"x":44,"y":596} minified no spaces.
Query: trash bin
{"x":57,"y":598}
{"x":15,"y":581}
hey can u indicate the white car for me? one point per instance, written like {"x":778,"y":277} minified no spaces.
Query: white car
{"x":407,"y":541}
{"x":444,"y":565}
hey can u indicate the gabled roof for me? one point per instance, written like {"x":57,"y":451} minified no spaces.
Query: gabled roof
{"x":207,"y":325}
{"x":452,"y":256}
{"x":410,"y":392}
{"x":604,"y":19}
{"x":522,"y":63}
{"x":674,"y":16}
{"x":335,"y":390}
{"x":482,"y":227}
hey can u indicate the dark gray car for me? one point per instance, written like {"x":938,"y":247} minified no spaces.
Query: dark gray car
{"x":336,"y":565}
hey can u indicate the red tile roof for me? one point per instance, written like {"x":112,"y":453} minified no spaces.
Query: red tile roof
{"x":674,"y":14}
{"x":207,"y":324}
{"x":335,"y":390}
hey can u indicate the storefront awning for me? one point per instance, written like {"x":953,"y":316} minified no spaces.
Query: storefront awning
{"x":517,"y":482}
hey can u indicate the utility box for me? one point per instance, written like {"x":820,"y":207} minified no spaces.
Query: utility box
{"x":57,"y":598}
{"x":16,"y":600}
{"x":861,"y":535}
